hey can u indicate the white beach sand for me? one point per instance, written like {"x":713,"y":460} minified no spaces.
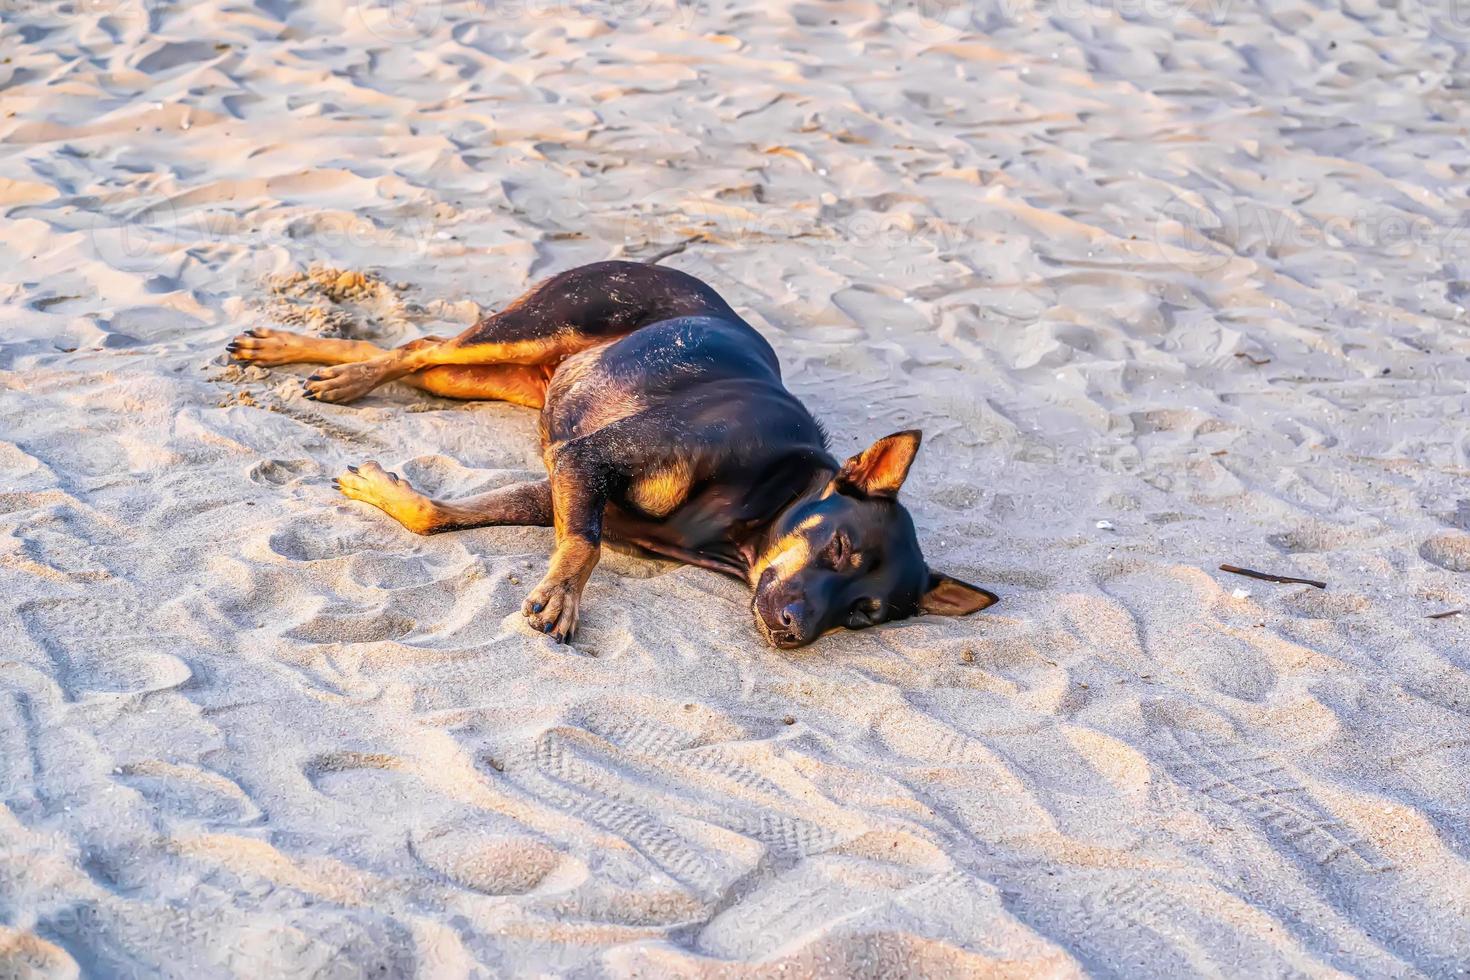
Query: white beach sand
{"x":1194,"y":271}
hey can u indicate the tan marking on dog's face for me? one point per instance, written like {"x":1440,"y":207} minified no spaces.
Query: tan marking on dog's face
{"x":789,"y":554}
{"x":663,"y":490}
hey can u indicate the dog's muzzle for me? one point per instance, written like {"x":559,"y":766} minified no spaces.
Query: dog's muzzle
{"x":786,"y":622}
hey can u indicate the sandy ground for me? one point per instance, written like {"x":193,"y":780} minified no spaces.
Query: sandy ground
{"x":1166,"y":285}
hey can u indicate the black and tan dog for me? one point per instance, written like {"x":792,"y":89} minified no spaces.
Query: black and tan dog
{"x":664,"y":424}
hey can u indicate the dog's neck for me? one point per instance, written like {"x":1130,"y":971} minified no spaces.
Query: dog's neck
{"x":810,"y":484}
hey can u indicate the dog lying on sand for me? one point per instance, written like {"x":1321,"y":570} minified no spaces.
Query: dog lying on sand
{"x":664,"y":424}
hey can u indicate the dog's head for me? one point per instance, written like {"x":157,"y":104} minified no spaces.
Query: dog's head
{"x":848,"y":557}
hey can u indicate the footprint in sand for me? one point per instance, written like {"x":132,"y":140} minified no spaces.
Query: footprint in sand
{"x":102,"y":646}
{"x":633,"y":733}
{"x":370,"y":785}
{"x":189,"y":792}
{"x":353,"y":626}
{"x":1311,"y":537}
{"x":1262,"y":787}
{"x":1179,"y":616}
{"x":1449,"y":550}
{"x":321,"y":543}
{"x":1317,"y":604}
{"x":493,"y":864}
{"x":279,"y":472}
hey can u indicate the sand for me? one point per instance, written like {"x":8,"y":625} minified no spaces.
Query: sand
{"x":1166,"y":286}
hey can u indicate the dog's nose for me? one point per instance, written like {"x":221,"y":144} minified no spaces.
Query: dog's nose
{"x":793,"y":615}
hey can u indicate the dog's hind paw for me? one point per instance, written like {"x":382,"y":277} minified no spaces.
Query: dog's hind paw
{"x":266,"y":347}
{"x":342,"y":383}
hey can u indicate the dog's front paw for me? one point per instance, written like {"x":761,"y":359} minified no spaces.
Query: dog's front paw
{"x":342,"y":382}
{"x":390,"y":493}
{"x":551,"y":608}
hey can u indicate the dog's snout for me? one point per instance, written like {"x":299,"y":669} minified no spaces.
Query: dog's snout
{"x":788,"y":620}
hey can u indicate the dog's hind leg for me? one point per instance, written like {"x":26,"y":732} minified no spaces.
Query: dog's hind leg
{"x":514,"y":383}
{"x":269,"y":347}
{"x":505,"y":382}
{"x":521,"y":503}
{"x":567,"y":313}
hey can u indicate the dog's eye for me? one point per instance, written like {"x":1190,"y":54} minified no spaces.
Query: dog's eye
{"x":839,"y":550}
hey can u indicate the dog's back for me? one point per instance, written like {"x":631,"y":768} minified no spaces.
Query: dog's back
{"x":685,"y":369}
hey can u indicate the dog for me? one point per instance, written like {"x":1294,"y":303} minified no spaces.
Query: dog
{"x":664,"y":424}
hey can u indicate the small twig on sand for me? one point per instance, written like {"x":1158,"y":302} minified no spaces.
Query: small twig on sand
{"x":1445,"y":615}
{"x":1257,"y":361}
{"x":658,"y":257}
{"x":1268,"y":577}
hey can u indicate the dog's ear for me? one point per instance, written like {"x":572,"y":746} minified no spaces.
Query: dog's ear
{"x":950,"y":597}
{"x":879,"y":470}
